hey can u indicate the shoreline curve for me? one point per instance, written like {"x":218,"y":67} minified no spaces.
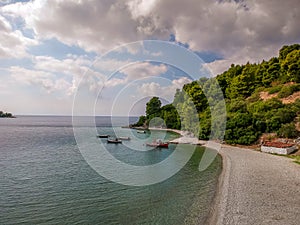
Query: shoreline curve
{"x":253,"y":187}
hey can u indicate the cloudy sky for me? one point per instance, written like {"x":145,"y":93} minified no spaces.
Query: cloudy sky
{"x":50,"y":50}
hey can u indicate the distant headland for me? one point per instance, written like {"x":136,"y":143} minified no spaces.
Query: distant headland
{"x":6,"y":115}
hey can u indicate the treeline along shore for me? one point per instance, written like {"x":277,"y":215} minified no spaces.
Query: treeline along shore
{"x":261,"y":98}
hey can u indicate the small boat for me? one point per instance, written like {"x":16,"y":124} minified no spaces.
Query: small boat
{"x":158,"y":144}
{"x":161,"y":145}
{"x":124,"y":138}
{"x":141,"y":131}
{"x":103,"y":136}
{"x":114,"y":141}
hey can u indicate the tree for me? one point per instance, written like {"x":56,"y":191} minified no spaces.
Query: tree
{"x":244,"y":84}
{"x":141,"y":121}
{"x":178,"y":98}
{"x":291,"y":65}
{"x":272,"y":73}
{"x":285,"y":50}
{"x":170,"y":116}
{"x":153,"y":107}
{"x":195,"y":92}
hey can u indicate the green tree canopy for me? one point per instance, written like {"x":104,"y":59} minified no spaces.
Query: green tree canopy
{"x":153,"y":107}
{"x":249,"y":114}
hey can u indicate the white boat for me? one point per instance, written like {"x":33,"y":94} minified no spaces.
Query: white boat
{"x":141,"y":131}
{"x":124,"y":138}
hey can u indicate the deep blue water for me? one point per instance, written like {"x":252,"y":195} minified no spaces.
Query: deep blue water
{"x":45,"y":180}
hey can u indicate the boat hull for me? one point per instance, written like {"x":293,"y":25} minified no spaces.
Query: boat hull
{"x":114,"y":142}
{"x":161,"y":145}
{"x":103,"y":136}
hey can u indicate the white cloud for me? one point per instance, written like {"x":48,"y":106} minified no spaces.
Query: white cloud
{"x":144,"y":69}
{"x":166,"y":92}
{"x":114,"y":82}
{"x":180,"y":82}
{"x":110,"y":65}
{"x":33,"y":77}
{"x":59,"y":75}
{"x":141,"y":7}
{"x":136,"y":72}
{"x":75,"y":67}
{"x":12,"y":42}
{"x":69,"y":66}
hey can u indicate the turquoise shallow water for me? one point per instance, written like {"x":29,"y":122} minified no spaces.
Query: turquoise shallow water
{"x":45,"y":180}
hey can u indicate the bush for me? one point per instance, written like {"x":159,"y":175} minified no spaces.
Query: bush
{"x":273,"y":124}
{"x":260,"y":108}
{"x":288,"y":131}
{"x":254,"y":97}
{"x":288,"y":90}
{"x":242,"y":135}
{"x":275,"y":89}
{"x":237,"y":105}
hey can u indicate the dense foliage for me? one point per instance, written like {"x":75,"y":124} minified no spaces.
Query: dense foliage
{"x":248,"y":115}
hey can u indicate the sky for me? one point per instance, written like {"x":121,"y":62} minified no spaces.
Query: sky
{"x":110,"y":56}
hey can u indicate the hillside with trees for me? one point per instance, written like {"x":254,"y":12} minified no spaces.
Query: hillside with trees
{"x":260,"y":98}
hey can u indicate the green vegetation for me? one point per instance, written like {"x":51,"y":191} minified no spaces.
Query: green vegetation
{"x":296,"y":158}
{"x":3,"y":114}
{"x":274,"y":89}
{"x":288,"y":90}
{"x":248,"y":116}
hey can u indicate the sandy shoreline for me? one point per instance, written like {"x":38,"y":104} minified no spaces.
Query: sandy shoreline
{"x":254,"y":187}
{"x":184,"y":137}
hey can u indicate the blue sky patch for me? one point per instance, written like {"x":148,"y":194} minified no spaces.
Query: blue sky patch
{"x":53,"y":47}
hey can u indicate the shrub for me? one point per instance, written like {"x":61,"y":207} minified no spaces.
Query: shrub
{"x":288,"y":90}
{"x":275,"y":89}
{"x":288,"y":131}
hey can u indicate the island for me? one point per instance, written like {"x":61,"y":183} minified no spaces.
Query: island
{"x":6,"y":115}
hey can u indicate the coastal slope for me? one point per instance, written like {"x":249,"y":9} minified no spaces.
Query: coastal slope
{"x":257,"y":188}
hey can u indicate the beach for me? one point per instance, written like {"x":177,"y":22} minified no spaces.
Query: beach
{"x":254,"y":187}
{"x":257,"y":188}
{"x":185,"y":137}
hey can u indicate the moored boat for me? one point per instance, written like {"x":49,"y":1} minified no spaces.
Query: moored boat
{"x":141,"y":131}
{"x":124,"y":138}
{"x":114,"y":141}
{"x":158,"y":144}
{"x":103,"y":136}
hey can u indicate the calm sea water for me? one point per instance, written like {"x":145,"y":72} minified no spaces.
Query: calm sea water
{"x":45,"y":180}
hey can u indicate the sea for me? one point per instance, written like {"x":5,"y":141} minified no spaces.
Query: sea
{"x":44,"y":178}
